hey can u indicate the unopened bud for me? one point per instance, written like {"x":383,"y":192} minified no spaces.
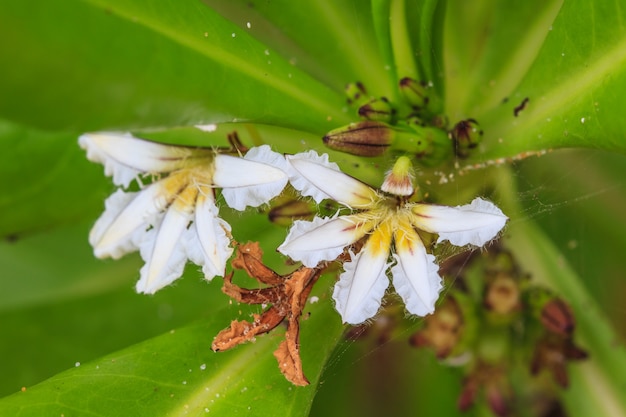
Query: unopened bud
{"x":415,"y":92}
{"x":356,"y":93}
{"x":290,"y":209}
{"x":443,"y":330}
{"x":503,"y":296}
{"x":367,"y":138}
{"x":557,"y":316}
{"x":466,"y":135}
{"x":378,"y":109}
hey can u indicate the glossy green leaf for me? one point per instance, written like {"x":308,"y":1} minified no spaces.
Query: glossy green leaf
{"x":333,"y":41}
{"x":132,"y":64}
{"x":178,"y":374}
{"x":39,"y":184}
{"x":570,"y":65}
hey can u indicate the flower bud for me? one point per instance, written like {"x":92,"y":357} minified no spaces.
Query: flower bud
{"x":503,"y":296}
{"x":443,"y":330}
{"x":356,"y":93}
{"x":414,"y":92}
{"x":367,"y":138}
{"x":466,"y":135}
{"x":284,"y":212}
{"x":378,"y":109}
{"x":557,"y":316}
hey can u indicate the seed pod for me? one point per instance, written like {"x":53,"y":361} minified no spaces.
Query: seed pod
{"x":414,"y":92}
{"x":367,"y":138}
{"x":378,"y":109}
{"x":466,"y":135}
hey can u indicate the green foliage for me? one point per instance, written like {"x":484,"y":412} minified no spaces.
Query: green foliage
{"x":161,"y":66}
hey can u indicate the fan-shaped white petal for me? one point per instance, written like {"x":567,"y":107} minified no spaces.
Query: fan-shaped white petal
{"x":476,"y":223}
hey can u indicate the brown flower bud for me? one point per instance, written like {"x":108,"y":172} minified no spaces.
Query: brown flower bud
{"x":289,"y":210}
{"x":367,"y":138}
{"x":557,"y":316}
{"x":503,"y":295}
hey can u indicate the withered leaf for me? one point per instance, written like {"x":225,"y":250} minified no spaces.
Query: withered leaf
{"x":285,"y":297}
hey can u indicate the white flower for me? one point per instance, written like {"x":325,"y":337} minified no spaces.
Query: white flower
{"x":389,"y":222}
{"x":175,"y":218}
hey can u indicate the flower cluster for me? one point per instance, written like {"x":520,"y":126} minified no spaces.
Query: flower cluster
{"x":175,"y":218}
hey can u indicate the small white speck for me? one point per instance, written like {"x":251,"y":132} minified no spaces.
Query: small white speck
{"x":206,"y":410}
{"x":562,"y":53}
{"x":184,"y":382}
{"x":217,"y":395}
{"x":549,"y":119}
{"x":77,"y":364}
{"x":207,"y":128}
{"x":203,"y":367}
{"x":206,"y":34}
{"x":267,"y":52}
{"x":314,"y":299}
{"x":233,"y":34}
{"x":582,"y":120}
{"x":244,"y":389}
{"x":248,"y":25}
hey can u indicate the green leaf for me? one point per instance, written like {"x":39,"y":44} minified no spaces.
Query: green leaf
{"x":571,"y":69}
{"x":158,"y":63}
{"x":39,"y":185}
{"x":489,"y":47}
{"x":333,"y":41}
{"x":178,"y":374}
